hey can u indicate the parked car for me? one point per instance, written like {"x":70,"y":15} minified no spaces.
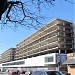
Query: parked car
{"x":65,"y":73}
{"x":22,"y":72}
{"x":47,"y":72}
{"x":14,"y":72}
{"x":28,"y":73}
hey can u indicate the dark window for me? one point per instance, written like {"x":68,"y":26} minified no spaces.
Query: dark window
{"x":14,"y":63}
{"x":49,"y":59}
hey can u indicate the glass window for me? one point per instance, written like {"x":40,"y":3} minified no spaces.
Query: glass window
{"x":14,"y":63}
{"x":49,"y":59}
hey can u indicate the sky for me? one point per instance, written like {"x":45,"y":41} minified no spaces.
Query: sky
{"x":63,"y":10}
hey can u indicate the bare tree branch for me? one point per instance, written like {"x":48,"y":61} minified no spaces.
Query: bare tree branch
{"x":70,"y":1}
{"x":23,"y":13}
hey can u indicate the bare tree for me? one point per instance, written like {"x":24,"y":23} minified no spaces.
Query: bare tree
{"x":22,"y":12}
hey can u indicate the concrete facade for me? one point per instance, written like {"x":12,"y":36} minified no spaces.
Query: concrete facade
{"x":47,"y":61}
{"x":8,"y":55}
{"x":55,"y":37}
{"x":0,"y":59}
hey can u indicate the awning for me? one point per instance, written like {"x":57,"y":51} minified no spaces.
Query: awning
{"x":70,"y":61}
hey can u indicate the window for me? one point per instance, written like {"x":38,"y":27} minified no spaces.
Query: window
{"x":49,"y":59}
{"x":14,"y":63}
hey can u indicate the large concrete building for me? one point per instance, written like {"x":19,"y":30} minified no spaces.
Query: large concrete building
{"x":55,"y":37}
{"x":8,"y":55}
{"x":50,"y":45}
{"x":0,"y":59}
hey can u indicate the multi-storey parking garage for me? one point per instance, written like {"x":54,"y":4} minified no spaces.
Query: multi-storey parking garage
{"x":55,"y":37}
{"x":8,"y":55}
